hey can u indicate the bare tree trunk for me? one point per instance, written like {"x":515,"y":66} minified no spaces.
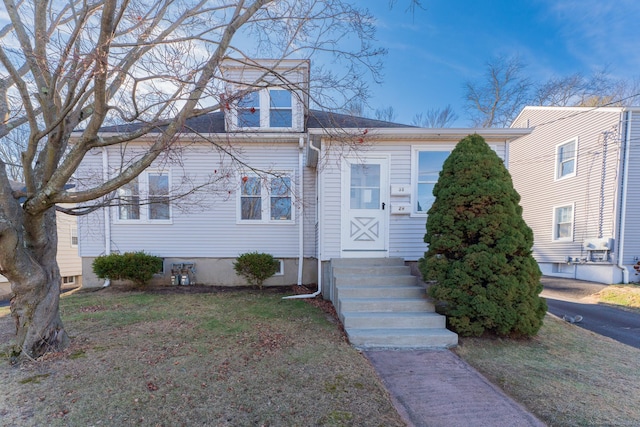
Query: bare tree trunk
{"x":35,"y":281}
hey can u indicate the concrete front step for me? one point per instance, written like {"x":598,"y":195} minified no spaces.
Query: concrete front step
{"x":399,"y":291}
{"x":386,"y":270}
{"x":405,"y":320}
{"x":374,"y":280}
{"x":382,"y":305}
{"x":361,"y":262}
{"x":402,"y":338}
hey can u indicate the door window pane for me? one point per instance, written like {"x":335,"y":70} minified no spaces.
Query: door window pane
{"x":365,"y":187}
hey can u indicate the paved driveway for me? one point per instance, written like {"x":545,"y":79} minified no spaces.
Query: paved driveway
{"x":567,"y":297}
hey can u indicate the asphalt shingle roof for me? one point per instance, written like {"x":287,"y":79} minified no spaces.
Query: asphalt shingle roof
{"x":214,"y":123}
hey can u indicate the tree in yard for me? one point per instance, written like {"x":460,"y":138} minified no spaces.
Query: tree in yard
{"x":435,"y":118}
{"x":74,"y":65}
{"x":479,"y":252}
{"x":498,"y":98}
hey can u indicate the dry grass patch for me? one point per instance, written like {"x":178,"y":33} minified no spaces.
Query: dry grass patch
{"x":225,"y":359}
{"x":566,"y":375}
{"x":620,"y":295}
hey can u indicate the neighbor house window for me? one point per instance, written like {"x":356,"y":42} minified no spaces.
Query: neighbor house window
{"x":146,"y":198}
{"x":266,"y":199}
{"x":566,"y":159}
{"x":266,"y":108}
{"x":563,"y":223}
{"x":74,"y":236}
{"x":427,"y":164}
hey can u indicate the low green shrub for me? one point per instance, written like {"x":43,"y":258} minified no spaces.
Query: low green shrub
{"x":137,"y":267}
{"x":256,"y":267}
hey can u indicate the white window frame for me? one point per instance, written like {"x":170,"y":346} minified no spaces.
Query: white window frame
{"x":554,"y":234}
{"x":145,"y":205}
{"x":265,"y":198}
{"x":264,"y":109}
{"x":73,"y":233}
{"x":558,"y":160}
{"x":415,"y":158}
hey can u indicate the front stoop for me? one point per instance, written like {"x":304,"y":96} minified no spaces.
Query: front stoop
{"x":381,"y":305}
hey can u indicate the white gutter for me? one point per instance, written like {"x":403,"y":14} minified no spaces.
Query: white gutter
{"x":316,"y":293}
{"x":107,"y":212}
{"x":623,"y":202}
{"x":299,"y":203}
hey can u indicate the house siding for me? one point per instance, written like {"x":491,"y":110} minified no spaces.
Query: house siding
{"x":594,"y":191}
{"x":206,"y":224}
{"x":406,"y":231}
{"x":631,"y":252}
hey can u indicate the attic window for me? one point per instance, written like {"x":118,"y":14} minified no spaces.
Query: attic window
{"x":280,"y":113}
{"x":249,"y":110}
{"x":266,"y":109}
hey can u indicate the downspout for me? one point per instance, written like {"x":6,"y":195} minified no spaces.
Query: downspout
{"x":107,"y":212}
{"x":299,"y":204}
{"x":319,"y":291}
{"x":623,"y":202}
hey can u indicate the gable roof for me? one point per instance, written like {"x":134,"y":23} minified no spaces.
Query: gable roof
{"x":214,"y":123}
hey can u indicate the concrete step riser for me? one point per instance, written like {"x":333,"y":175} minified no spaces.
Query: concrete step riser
{"x":381,"y":292}
{"x":361,"y":262}
{"x":383,"y":305}
{"x":400,"y":270}
{"x":414,"y":322}
{"x":398,"y":341}
{"x":359,"y":280}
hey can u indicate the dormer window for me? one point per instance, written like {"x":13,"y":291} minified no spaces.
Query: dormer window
{"x":249,"y":110}
{"x":280,"y":113}
{"x":266,"y":109}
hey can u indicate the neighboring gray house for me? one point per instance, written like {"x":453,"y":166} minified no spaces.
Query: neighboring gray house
{"x":332,"y":186}
{"x":578,"y":173}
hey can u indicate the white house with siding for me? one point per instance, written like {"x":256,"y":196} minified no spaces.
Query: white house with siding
{"x":578,"y":173}
{"x":303,"y":185}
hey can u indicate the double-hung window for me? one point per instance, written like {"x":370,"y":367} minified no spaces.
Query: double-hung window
{"x":146,"y":198}
{"x":266,"y":199}
{"x":566,"y":159}
{"x":427,"y":166}
{"x":270,"y":108}
{"x":563,"y":223}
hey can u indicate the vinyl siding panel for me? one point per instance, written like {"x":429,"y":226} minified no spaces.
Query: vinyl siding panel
{"x":632,"y":217}
{"x":405,"y":232}
{"x":205,"y":224}
{"x":592,"y":191}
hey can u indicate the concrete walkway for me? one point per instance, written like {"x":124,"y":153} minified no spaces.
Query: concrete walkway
{"x":437,"y":388}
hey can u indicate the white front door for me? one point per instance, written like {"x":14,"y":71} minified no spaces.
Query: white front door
{"x":365,"y":206}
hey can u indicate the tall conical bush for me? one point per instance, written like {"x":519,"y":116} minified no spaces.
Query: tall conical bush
{"x":479,"y":254}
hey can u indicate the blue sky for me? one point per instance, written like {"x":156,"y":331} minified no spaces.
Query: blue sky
{"x":432,"y":52}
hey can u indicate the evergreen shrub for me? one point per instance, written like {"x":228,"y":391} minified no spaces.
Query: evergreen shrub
{"x":480,"y":248}
{"x":138,"y":267}
{"x":256,"y":267}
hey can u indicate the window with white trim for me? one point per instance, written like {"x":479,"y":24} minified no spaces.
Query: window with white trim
{"x":266,"y":108}
{"x":563,"y":223}
{"x":265,"y":199}
{"x":427,"y":167}
{"x":74,"y":235}
{"x":146,"y":198}
{"x":566,"y":159}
